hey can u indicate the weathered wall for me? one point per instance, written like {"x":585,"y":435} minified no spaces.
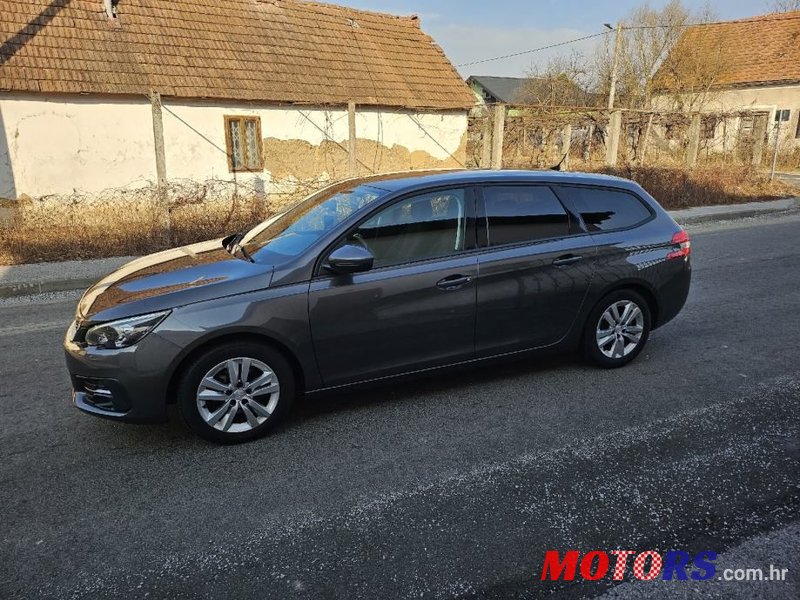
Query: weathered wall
{"x":57,"y":145}
{"x":757,"y":99}
{"x":72,"y":145}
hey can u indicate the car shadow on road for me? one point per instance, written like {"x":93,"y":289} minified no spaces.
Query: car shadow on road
{"x":171,"y":436}
{"x":430,"y":383}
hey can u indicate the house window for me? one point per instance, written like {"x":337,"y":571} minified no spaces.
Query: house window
{"x":243,"y":141}
{"x":797,"y":131}
{"x":782,"y":115}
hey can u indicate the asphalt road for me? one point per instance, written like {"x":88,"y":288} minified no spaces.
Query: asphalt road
{"x":454,"y":486}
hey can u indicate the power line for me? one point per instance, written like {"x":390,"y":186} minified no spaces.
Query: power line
{"x":629,"y":28}
{"x":711,"y":23}
{"x":580,"y":39}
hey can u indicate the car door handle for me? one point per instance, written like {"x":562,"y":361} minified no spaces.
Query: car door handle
{"x":453,"y":282}
{"x":566,"y":260}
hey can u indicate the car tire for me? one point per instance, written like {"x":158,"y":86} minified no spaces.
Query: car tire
{"x":226,"y":395}
{"x":617,"y":329}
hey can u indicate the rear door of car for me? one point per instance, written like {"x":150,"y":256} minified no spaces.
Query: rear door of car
{"x":416,"y":307}
{"x":534,"y":272}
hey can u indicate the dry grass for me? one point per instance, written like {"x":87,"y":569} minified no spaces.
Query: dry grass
{"x":42,"y":233}
{"x":77,"y":228}
{"x":676,"y":188}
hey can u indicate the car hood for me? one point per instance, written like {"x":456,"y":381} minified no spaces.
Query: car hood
{"x":172,"y":278}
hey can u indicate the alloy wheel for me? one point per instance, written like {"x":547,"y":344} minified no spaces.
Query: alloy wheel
{"x":620,"y":329}
{"x":238,"y":395}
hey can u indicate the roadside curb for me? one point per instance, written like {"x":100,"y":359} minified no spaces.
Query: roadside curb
{"x":97,"y":269}
{"x":706,"y":214}
{"x":44,"y":287}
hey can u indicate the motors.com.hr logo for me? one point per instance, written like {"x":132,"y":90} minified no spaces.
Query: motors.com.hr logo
{"x":646,"y":565}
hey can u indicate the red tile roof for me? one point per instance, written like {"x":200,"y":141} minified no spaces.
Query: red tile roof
{"x":283,"y":51}
{"x":758,"y":51}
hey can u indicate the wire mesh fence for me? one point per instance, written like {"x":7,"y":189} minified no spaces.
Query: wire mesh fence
{"x":535,"y":137}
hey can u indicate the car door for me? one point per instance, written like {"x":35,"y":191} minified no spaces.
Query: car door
{"x":416,"y":307}
{"x":535,"y":272}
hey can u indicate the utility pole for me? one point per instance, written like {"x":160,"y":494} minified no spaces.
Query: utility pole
{"x":612,"y":92}
{"x":161,"y":168}
{"x":158,"y":138}
{"x":352,"y":158}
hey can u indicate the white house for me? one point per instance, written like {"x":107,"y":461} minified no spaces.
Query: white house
{"x":749,"y":69}
{"x":247,"y":92}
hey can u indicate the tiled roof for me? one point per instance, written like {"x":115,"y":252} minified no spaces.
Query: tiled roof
{"x":758,"y":51}
{"x":253,"y":50}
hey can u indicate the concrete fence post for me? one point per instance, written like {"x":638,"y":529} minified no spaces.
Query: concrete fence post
{"x":352,"y":157}
{"x":612,"y":141}
{"x":566,"y":144}
{"x":694,"y":142}
{"x":498,"y":133}
{"x":587,"y":150}
{"x":777,"y":146}
{"x":759,"y":135}
{"x":486,"y":147}
{"x":646,"y":140}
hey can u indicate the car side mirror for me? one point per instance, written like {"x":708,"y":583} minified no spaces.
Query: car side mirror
{"x":350,"y":258}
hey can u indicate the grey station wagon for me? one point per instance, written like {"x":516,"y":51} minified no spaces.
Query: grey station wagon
{"x":375,"y":278}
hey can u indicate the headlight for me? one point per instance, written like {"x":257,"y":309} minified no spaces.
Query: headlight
{"x":123,"y":333}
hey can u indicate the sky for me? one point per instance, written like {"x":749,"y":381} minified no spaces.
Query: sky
{"x":470,"y":30}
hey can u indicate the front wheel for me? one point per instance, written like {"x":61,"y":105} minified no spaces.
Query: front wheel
{"x":617,"y":329}
{"x":236,"y":392}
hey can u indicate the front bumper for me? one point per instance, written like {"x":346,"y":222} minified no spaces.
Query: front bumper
{"x":128,"y":385}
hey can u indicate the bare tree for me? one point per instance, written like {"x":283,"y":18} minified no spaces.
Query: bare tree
{"x":687,"y":77}
{"x":562,"y":82}
{"x":785,"y":5}
{"x":649,"y":38}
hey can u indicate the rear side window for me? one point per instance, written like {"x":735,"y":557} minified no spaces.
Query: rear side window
{"x":523,"y":213}
{"x":606,"y":209}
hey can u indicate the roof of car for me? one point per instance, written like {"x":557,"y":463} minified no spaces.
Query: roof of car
{"x":392,"y":182}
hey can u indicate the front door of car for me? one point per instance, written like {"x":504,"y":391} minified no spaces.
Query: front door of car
{"x":415,"y":308}
{"x":535,"y":272}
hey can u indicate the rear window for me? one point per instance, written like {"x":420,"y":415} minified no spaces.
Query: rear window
{"x":606,"y":209}
{"x":523,"y":213}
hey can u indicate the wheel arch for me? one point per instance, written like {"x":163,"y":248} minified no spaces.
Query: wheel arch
{"x":233,"y":336}
{"x":640,"y":287}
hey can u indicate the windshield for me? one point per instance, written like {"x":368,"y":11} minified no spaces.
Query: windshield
{"x":288,"y":234}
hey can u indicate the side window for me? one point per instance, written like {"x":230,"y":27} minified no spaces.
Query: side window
{"x":606,"y":209}
{"x":523,"y":213}
{"x":420,"y":227}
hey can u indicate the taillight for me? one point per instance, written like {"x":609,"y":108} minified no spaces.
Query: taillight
{"x":681,"y":239}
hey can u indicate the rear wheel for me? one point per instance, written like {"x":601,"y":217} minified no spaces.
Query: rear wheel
{"x":236,"y":392}
{"x":617,"y":329}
